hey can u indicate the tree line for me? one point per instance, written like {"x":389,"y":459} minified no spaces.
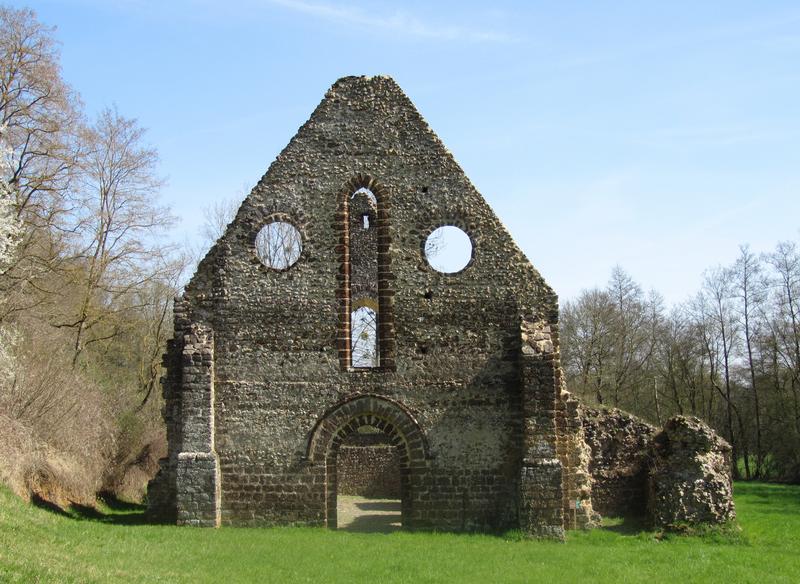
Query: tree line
{"x":730,"y":355}
{"x":86,"y":281}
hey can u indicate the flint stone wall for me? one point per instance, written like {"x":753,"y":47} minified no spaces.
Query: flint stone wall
{"x":260,"y":393}
{"x":451,"y":359}
{"x":690,"y":480}
{"x":369,"y":471}
{"x":575,"y":456}
{"x":620,"y":460}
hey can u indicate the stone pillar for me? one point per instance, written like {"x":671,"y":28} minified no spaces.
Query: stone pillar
{"x":161,"y":491}
{"x":575,"y":455}
{"x":198,"y":474}
{"x":540,"y":488}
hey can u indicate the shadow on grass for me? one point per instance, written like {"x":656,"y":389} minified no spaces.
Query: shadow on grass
{"x":384,"y":506}
{"x":110,"y":511}
{"x":119,"y":505}
{"x":41,"y":503}
{"x":119,"y":513}
{"x":771,"y":499}
{"x":626,"y":525}
{"x":85,"y":512}
{"x":139,"y":518}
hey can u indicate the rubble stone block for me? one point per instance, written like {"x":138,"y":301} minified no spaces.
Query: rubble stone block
{"x":690,"y":477}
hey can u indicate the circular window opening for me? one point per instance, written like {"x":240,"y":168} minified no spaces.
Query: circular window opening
{"x":278,"y":245}
{"x":448,"y":249}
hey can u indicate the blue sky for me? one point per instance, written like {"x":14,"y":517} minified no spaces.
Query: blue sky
{"x":654,"y":135}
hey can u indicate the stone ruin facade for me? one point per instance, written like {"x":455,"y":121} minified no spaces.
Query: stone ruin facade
{"x":317,"y":350}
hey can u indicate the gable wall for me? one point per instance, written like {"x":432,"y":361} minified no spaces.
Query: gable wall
{"x":276,"y":366}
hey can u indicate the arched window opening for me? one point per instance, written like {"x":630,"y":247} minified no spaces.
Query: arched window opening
{"x":365,"y":276}
{"x":364,"y":315}
{"x":368,"y":194}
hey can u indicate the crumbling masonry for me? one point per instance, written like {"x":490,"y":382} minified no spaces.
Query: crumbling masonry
{"x":351,"y":339}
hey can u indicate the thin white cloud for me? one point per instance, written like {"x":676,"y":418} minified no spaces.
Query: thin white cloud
{"x":398,"y":22}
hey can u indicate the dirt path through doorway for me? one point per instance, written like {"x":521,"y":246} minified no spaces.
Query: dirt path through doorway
{"x":368,"y":515}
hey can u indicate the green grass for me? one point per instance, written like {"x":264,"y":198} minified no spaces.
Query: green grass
{"x":115,"y":545}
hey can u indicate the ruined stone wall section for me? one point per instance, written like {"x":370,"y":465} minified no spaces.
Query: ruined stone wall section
{"x":260,"y":390}
{"x":575,"y":456}
{"x":620,"y":458}
{"x":162,"y":490}
{"x":541,"y":482}
{"x":369,"y":471}
{"x":676,"y":476}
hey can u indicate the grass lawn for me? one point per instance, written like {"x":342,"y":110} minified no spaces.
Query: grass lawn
{"x":37,"y":545}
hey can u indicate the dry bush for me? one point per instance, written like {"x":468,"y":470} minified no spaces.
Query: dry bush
{"x":140,"y":443}
{"x":57,"y":430}
{"x":18,"y":451}
{"x":128,"y":479}
{"x":33,"y":469}
{"x":64,"y":439}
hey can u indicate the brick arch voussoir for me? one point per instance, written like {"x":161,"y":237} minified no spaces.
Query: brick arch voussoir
{"x":344,"y":419}
{"x":364,"y":181}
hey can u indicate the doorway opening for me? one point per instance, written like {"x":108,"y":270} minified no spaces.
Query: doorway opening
{"x":369,"y":489}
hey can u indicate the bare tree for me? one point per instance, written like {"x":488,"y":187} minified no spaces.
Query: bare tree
{"x":10,"y":228}
{"x":785,"y":321}
{"x":588,"y":348}
{"x":89,"y":261}
{"x":719,"y":294}
{"x":750,"y":292}
{"x":119,"y":225}
{"x":786,"y":263}
{"x":731,"y":355}
{"x":434,"y":244}
{"x":217,"y":217}
{"x":679,"y":363}
{"x":10,"y":231}
{"x":41,"y":116}
{"x":632,"y":331}
{"x":610,"y":337}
